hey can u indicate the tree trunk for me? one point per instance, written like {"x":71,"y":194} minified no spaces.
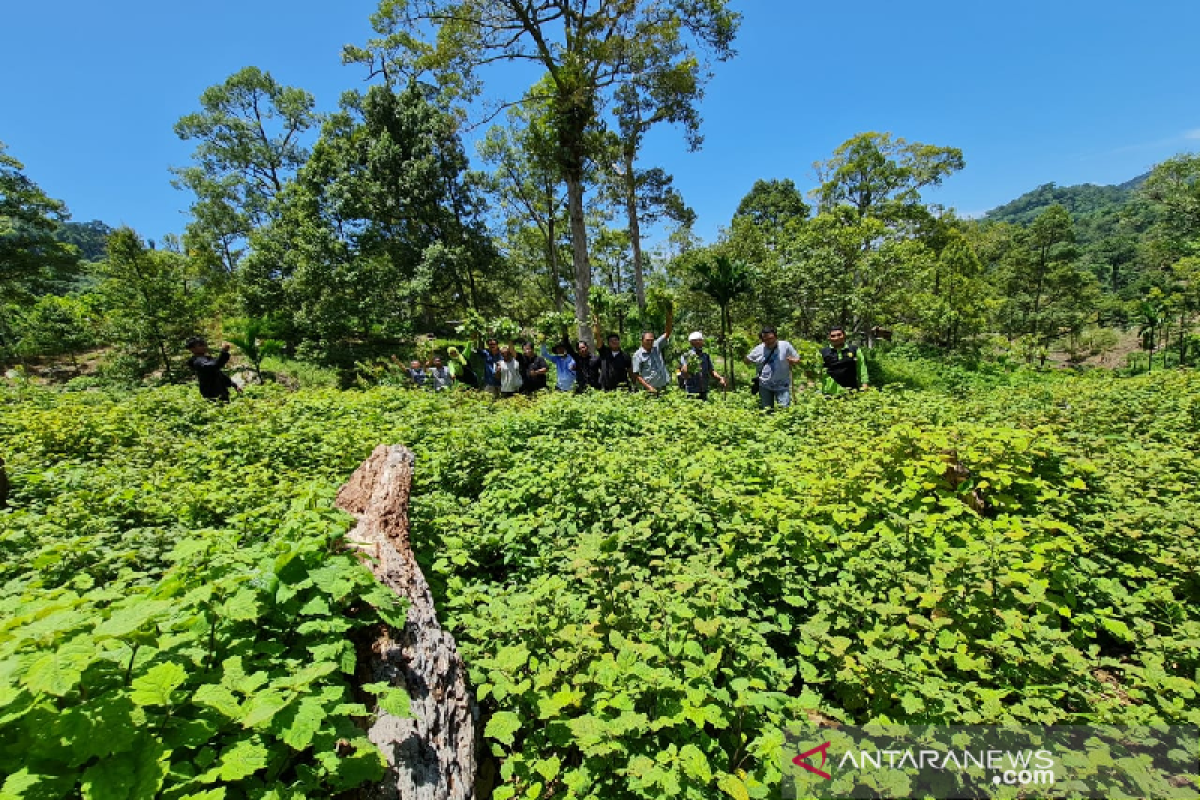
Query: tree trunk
{"x":431,"y":755}
{"x":552,"y":260}
{"x":583,"y":269}
{"x":635,"y":232}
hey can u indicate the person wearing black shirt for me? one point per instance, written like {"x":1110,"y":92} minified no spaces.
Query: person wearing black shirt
{"x":533,"y":370}
{"x":845,"y":367}
{"x":587,"y":366}
{"x":214,"y":384}
{"x":616,"y":367}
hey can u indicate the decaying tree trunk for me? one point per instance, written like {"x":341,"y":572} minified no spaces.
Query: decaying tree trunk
{"x":432,"y":755}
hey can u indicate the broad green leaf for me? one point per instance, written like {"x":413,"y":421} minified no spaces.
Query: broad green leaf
{"x":242,"y":760}
{"x":262,"y":706}
{"x":59,"y":671}
{"x":695,"y":763}
{"x":503,"y":727}
{"x":303,"y":723}
{"x":156,"y":686}
{"x":733,"y":786}
{"x":220,"y":698}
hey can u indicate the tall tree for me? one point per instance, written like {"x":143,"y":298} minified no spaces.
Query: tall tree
{"x":381,"y":227}
{"x":882,"y":177}
{"x":589,"y":48}
{"x":770,"y":207}
{"x":724,"y":280}
{"x":150,"y":309}
{"x":29,"y":219}
{"x":667,"y":91}
{"x":951,"y":293}
{"x":872,"y":226}
{"x":249,"y":132}
{"x":528,"y":184}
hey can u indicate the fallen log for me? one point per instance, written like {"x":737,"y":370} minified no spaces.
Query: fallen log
{"x":431,"y":755}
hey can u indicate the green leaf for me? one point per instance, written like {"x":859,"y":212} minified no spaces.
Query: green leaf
{"x":695,"y":763}
{"x":242,"y":760}
{"x":548,"y":768}
{"x":132,"y":617}
{"x":242,"y":607}
{"x":393,"y":700}
{"x":262,"y":706}
{"x":156,"y":686}
{"x":220,"y":698}
{"x":136,"y":774}
{"x":298,"y":731}
{"x":316,"y":607}
{"x":59,"y":671}
{"x":503,"y":727}
{"x":733,"y":786}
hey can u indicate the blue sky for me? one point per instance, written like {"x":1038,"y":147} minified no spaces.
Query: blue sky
{"x":1033,"y":92}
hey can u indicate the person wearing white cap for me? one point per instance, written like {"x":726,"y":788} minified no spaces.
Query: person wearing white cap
{"x":696,"y":368}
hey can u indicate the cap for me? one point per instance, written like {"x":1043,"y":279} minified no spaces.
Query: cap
{"x":193,"y":341}
{"x":694,"y":335}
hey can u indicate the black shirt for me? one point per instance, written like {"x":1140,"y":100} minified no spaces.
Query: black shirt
{"x":587,"y":370}
{"x":615,"y":368}
{"x":214,"y":384}
{"x":533,"y":383}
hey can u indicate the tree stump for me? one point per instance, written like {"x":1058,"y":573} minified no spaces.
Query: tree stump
{"x":433,"y":754}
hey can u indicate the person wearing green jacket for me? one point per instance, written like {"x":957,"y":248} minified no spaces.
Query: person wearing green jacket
{"x":460,"y":368}
{"x":845,"y":365}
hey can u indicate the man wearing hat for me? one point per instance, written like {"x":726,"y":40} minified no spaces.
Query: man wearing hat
{"x":214,"y":384}
{"x":696,"y":368}
{"x":460,"y":369}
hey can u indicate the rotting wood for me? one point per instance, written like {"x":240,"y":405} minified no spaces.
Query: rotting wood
{"x":433,"y":754}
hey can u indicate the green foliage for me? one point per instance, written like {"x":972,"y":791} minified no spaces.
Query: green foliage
{"x":30,"y":255}
{"x":251,"y":340}
{"x":149,"y":310}
{"x":380,"y":222}
{"x":56,"y":326}
{"x":1021,"y":548}
{"x":248,"y":149}
{"x":821,"y":562}
{"x":177,"y":607}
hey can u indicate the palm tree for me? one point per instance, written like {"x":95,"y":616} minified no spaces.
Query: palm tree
{"x":724,"y":280}
{"x":1150,"y":315}
{"x":253,"y":347}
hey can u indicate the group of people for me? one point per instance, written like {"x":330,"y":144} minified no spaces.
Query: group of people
{"x":510,"y":370}
{"x":516,"y":368}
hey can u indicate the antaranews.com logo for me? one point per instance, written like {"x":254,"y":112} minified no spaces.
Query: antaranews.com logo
{"x":980,"y":761}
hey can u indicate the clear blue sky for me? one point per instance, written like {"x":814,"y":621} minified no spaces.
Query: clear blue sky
{"x":1033,"y":92}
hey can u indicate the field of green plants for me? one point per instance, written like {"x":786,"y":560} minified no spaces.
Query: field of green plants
{"x":645,"y":592}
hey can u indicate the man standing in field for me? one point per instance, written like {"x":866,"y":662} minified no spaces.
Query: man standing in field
{"x":587,"y":366}
{"x":774,"y":359}
{"x":564,"y":365}
{"x":416,"y":373}
{"x":845,"y":367}
{"x":490,"y":357}
{"x":440,"y":378}
{"x":508,"y":372}
{"x":533,"y":372}
{"x":647,"y":364}
{"x":214,"y":384}
{"x":460,"y":369}
{"x":696,"y":368}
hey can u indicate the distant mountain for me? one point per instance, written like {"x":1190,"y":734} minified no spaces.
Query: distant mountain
{"x":1094,"y":209}
{"x":90,"y":237}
